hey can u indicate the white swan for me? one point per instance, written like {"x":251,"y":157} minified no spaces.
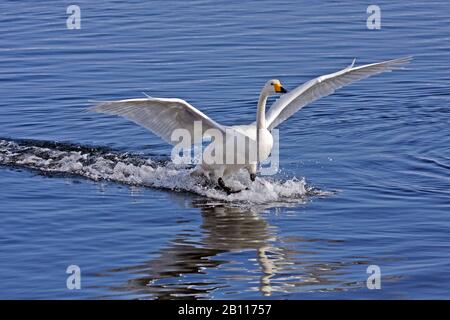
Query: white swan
{"x":162,"y":116}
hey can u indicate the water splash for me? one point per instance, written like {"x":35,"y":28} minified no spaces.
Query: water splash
{"x":99,"y":164}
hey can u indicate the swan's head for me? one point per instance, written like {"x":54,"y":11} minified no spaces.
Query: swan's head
{"x":274,"y":86}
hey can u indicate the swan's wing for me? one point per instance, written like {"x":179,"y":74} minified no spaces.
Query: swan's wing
{"x":160,"y":115}
{"x":323,"y":86}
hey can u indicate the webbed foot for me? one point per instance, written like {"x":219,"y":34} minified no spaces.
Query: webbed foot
{"x":225,"y":188}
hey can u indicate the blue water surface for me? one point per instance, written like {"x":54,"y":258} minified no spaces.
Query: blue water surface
{"x":378,"y":149}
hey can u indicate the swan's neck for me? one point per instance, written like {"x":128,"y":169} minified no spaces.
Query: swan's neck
{"x":261,"y":113}
{"x":260,"y":121}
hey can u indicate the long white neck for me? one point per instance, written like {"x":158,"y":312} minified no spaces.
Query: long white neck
{"x":260,"y":120}
{"x":261,"y":112}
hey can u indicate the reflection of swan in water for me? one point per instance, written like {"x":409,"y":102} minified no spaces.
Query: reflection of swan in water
{"x":224,"y":230}
{"x":226,"y":234}
{"x":236,"y":229}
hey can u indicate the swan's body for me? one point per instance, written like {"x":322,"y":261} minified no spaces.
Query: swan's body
{"x":162,"y":116}
{"x":255,"y":132}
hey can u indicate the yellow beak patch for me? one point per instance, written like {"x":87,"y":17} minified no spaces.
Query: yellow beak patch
{"x":277,"y":87}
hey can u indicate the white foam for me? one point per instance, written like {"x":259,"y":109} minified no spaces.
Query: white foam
{"x":98,"y":164}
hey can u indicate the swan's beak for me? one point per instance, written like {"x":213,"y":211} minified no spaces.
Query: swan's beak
{"x":279,"y":88}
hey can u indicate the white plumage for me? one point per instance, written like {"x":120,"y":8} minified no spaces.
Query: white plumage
{"x":162,"y":116}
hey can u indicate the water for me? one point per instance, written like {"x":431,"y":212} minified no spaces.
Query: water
{"x":364,"y":174}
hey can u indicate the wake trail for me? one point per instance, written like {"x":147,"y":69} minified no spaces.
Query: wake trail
{"x":103,"y":164}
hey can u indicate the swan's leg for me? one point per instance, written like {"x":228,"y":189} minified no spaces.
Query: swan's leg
{"x":225,"y":188}
{"x":218,"y":174}
{"x":252,"y":170}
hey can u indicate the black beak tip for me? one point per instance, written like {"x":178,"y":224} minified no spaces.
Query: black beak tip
{"x":283,"y":90}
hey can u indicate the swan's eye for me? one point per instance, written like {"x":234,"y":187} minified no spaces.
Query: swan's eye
{"x":271,"y":83}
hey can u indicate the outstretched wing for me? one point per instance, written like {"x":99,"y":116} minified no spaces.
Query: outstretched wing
{"x":322,"y":86}
{"x":161,"y":116}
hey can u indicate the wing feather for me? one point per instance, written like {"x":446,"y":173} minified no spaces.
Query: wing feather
{"x":322,"y":86}
{"x":160,"y":115}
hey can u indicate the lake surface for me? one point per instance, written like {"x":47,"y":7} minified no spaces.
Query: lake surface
{"x":364,"y":175}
